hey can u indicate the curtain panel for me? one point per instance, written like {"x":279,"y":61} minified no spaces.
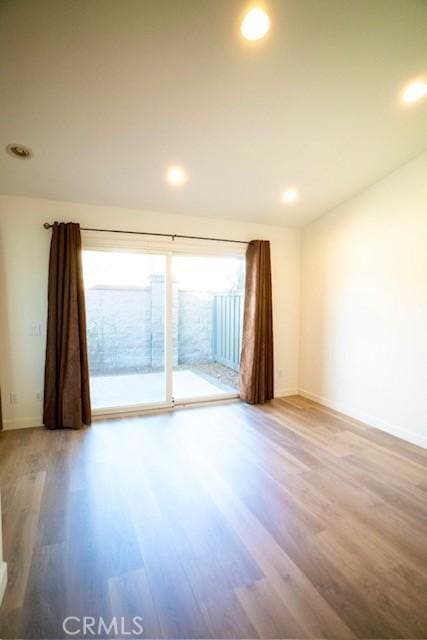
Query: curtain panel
{"x":256,"y":363}
{"x":66,"y":391}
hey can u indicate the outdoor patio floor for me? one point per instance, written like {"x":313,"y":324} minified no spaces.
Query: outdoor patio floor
{"x":148,"y":388}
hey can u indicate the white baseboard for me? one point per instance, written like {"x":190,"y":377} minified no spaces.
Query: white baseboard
{"x":26,"y":423}
{"x":371,"y":421}
{"x":281,"y":393}
{"x":22,"y":423}
{"x":410,"y":436}
{"x":3,"y":579}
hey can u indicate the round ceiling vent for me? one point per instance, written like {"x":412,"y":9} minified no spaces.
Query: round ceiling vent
{"x":19,"y":151}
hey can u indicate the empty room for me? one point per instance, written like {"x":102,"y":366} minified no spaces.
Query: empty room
{"x":213,"y":319}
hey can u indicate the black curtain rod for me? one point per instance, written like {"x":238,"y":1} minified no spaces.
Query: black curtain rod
{"x":47,"y":225}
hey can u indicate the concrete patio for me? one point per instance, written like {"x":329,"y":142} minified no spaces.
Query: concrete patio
{"x":148,"y":388}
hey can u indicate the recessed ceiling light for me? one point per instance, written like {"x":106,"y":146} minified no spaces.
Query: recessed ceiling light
{"x":415,"y":91}
{"x":19,"y":151}
{"x":290,"y":195}
{"x":176,"y":176}
{"x":255,"y":24}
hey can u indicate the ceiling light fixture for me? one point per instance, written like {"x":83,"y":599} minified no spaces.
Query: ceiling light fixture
{"x":415,"y":91}
{"x":255,"y":24}
{"x":290,"y":195}
{"x":176,"y":176}
{"x":19,"y":151}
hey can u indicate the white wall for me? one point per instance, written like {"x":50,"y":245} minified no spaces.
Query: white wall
{"x":24,"y":250}
{"x":364,"y":305}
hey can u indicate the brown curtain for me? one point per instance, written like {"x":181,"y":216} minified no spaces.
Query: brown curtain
{"x":66,"y":390}
{"x":256,"y":364}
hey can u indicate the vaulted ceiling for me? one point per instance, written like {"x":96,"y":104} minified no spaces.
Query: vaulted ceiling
{"x":109,"y":93}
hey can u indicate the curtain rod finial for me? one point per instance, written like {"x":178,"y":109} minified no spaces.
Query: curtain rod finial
{"x":47,"y":225}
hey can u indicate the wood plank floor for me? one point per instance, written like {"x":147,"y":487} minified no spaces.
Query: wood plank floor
{"x":228,"y":521}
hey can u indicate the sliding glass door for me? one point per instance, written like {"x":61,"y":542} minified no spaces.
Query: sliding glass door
{"x":163,"y":328}
{"x":125,"y":304}
{"x":208,"y":314}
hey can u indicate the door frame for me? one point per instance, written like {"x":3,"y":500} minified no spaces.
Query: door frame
{"x":104,"y":241}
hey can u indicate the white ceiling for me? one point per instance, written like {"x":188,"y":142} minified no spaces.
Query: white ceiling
{"x":108,"y":93}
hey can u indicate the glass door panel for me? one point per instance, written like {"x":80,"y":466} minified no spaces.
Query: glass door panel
{"x":207,"y":301}
{"x":125,"y":306}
